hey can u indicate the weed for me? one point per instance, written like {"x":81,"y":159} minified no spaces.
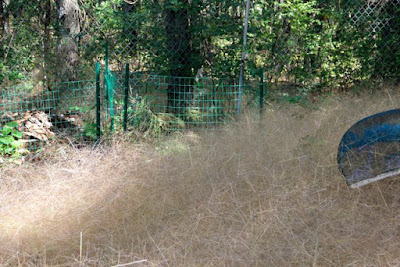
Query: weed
{"x":10,"y":140}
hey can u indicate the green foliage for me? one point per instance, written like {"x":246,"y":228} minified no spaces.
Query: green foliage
{"x":295,"y":36}
{"x":89,"y":129}
{"x":209,"y":112}
{"x":144,"y":121}
{"x":311,"y":44}
{"x":10,"y":143}
{"x":307,"y":43}
{"x":21,"y":48}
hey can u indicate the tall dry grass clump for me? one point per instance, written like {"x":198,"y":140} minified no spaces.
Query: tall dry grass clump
{"x":255,"y":193}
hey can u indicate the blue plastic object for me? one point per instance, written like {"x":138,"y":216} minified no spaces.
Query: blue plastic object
{"x":370,"y":150}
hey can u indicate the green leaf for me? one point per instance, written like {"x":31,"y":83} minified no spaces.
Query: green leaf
{"x":17,"y":134}
{"x":8,"y":150}
{"x":75,"y":108}
{"x":6,"y":140}
{"x":6,"y":130}
{"x":12,"y":124}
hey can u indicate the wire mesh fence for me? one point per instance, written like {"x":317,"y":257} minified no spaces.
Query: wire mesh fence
{"x":29,"y":119}
{"x":173,"y":47}
{"x":142,"y":103}
{"x":378,"y":22}
{"x":167,"y":103}
{"x":175,"y":38}
{"x":319,"y":45}
{"x":313,"y":45}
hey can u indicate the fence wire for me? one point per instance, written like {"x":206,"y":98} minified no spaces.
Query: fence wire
{"x":29,"y":120}
{"x":184,"y":56}
{"x":308,"y":44}
{"x":379,"y":23}
{"x":153,"y":107}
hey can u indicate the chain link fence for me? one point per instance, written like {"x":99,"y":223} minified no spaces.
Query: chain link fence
{"x":152,"y":107}
{"x":379,"y":23}
{"x":179,"y":47}
{"x":184,"y":56}
{"x":312,"y":44}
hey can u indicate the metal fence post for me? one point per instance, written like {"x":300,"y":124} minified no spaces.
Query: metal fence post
{"x":261,"y":92}
{"x":105,"y":79}
{"x":242,"y":62}
{"x":126,"y":95}
{"x":98,"y":103}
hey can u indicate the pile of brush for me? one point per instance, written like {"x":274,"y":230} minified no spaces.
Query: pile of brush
{"x":36,"y":124}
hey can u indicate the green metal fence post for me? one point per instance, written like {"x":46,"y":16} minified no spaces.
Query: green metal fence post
{"x":98,"y":100}
{"x":126,"y":95}
{"x":109,"y":88}
{"x":261,"y":92}
{"x":106,"y":78}
{"x":111,"y":99}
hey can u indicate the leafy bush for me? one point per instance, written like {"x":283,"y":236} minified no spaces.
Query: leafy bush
{"x":89,"y":127}
{"x":10,"y":143}
{"x":312,"y":45}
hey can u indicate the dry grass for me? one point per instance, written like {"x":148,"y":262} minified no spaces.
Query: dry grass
{"x":256,"y":193}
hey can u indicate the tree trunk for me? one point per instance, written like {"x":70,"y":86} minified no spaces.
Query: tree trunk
{"x":69,"y":15}
{"x":181,"y":55}
{"x":4,"y":19}
{"x":47,"y":56}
